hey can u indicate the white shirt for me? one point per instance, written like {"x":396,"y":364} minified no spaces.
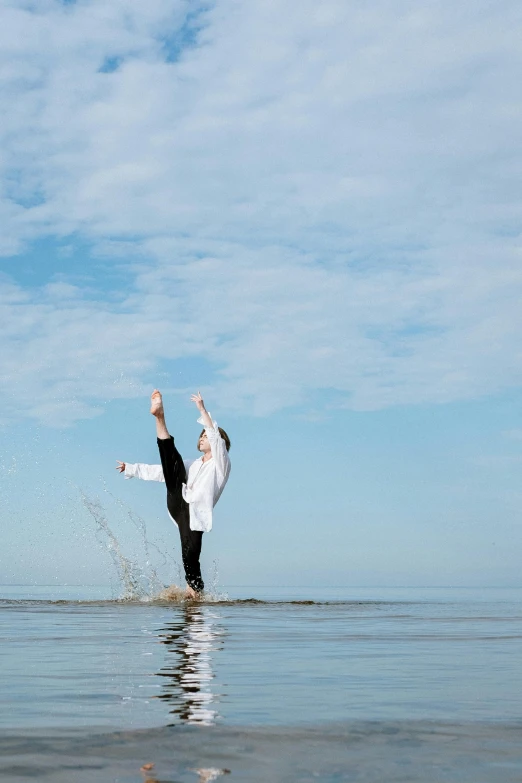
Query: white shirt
{"x":205,"y":480}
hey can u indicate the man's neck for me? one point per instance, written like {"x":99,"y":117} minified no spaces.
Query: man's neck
{"x":206,"y":456}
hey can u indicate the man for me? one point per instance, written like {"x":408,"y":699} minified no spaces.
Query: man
{"x":193,"y":486}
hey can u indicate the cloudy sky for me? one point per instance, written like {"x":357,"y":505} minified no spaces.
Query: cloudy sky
{"x":311,"y":212}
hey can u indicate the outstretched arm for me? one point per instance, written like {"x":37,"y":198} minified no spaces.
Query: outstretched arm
{"x":217,"y":444}
{"x":141,"y":471}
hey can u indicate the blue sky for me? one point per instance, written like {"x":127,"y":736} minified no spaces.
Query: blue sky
{"x":313,"y":217}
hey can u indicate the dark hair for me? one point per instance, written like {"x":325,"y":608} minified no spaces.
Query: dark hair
{"x":223,"y":435}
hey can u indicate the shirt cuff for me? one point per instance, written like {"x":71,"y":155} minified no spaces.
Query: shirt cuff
{"x":130,"y":470}
{"x":214,"y":424}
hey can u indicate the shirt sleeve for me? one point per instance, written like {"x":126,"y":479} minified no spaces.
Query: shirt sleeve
{"x":145,"y":472}
{"x":218,"y":448}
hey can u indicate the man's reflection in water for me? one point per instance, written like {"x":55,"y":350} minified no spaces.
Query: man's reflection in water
{"x":191,"y":639}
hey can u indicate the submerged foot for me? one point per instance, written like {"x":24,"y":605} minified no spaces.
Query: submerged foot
{"x":172,"y":593}
{"x":192,"y":594}
{"x":156,"y":403}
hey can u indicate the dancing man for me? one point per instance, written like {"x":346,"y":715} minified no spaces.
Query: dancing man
{"x":193,"y":486}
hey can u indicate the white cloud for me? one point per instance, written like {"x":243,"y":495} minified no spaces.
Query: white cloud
{"x":325,"y":199}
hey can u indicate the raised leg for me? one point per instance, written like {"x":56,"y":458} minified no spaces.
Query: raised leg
{"x":156,"y":408}
{"x":173,"y":470}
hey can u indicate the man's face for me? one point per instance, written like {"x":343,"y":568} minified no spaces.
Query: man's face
{"x":203,"y":444}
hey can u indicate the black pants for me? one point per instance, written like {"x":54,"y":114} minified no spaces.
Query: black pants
{"x":175,"y":475}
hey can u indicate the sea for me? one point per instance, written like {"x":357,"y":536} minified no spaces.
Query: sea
{"x":261,"y":684}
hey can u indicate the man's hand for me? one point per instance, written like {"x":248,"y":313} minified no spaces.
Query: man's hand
{"x":198,"y":399}
{"x":120,"y":467}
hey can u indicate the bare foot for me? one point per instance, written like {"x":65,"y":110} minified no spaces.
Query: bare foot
{"x":156,"y":403}
{"x":192,"y":594}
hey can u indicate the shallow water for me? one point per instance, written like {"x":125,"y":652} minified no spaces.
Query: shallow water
{"x":348,"y":684}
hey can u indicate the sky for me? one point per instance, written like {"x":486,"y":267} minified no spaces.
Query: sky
{"x":310,"y":212}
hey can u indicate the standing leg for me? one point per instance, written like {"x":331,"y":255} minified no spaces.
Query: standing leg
{"x":190,"y":552}
{"x":175,"y":475}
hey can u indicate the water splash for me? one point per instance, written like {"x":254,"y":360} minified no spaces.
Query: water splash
{"x":136,"y":583}
{"x":215,"y":593}
{"x":150,"y":573}
{"x":141,"y":582}
{"x":129,"y":573}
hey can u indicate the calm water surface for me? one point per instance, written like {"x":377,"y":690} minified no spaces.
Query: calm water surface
{"x":387,"y":683}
